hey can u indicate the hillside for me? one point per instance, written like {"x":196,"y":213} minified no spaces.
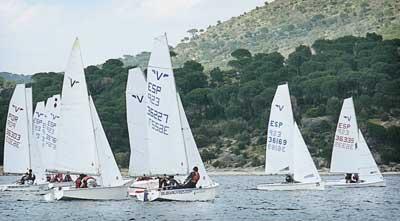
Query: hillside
{"x":17,"y":78}
{"x":284,"y":24}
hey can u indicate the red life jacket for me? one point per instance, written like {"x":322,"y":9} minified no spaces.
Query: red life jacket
{"x":78,"y":183}
{"x":84,"y":181}
{"x":195,"y":177}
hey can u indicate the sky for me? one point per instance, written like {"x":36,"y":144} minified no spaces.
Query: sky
{"x":37,"y":35}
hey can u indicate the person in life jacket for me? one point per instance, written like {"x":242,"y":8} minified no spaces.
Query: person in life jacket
{"x":78,"y":180}
{"x":192,"y":179}
{"x":88,"y":181}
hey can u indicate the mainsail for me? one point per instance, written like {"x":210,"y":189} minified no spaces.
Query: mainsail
{"x":165,"y":140}
{"x":37,"y":154}
{"x":76,"y":146}
{"x":16,"y":142}
{"x":279,"y":153}
{"x":136,"y":92}
{"x":345,"y":146}
{"x":51,"y":127}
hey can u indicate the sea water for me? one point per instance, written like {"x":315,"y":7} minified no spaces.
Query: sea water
{"x":237,"y":200}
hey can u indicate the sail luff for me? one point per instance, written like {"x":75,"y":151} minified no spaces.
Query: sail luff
{"x":28,"y":101}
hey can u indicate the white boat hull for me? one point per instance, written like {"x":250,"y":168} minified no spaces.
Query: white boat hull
{"x":24,"y":187}
{"x":187,"y":195}
{"x":290,"y":186}
{"x":95,"y":193}
{"x":343,"y":184}
{"x":140,"y":186}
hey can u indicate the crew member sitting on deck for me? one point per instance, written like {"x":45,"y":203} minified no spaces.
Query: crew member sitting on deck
{"x":348,"y":177}
{"x":78,"y":180}
{"x":172,"y":183}
{"x":24,"y":178}
{"x":88,"y":182}
{"x":31,"y":177}
{"x":67,"y":178}
{"x":192,"y":179}
{"x":162,"y":181}
{"x":355,"y":178}
{"x":289,"y":178}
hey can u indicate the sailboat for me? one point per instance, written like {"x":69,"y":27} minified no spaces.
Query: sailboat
{"x":170,"y":144}
{"x":286,"y":151}
{"x":351,"y":154}
{"x":136,"y":93}
{"x":82,"y":146}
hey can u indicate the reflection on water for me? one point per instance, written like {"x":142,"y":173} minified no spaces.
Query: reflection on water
{"x":237,"y":200}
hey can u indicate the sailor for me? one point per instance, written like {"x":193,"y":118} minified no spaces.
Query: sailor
{"x":355,"y":178}
{"x":31,"y":177}
{"x":88,"y":182}
{"x":172,"y":183}
{"x":289,"y":178}
{"x":78,"y":180}
{"x":67,"y":178}
{"x":348,"y":177}
{"x":192,"y":179}
{"x":24,"y":178}
{"x":162,"y":181}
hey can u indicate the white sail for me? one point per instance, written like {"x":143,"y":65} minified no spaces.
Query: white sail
{"x":51,"y":128}
{"x":304,"y":169}
{"x":108,"y":169}
{"x":345,"y":146}
{"x":193,"y":154}
{"x":279,"y":153}
{"x":165,"y":142}
{"x":136,"y":92}
{"x":368,"y":170}
{"x":76,"y":147}
{"x":37,"y":154}
{"x":16,"y":142}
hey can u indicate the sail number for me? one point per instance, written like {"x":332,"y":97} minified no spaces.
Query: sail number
{"x":277,"y":124}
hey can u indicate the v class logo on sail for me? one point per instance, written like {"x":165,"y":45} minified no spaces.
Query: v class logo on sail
{"x":139,"y":98}
{"x":54,"y":116}
{"x":347,"y":117}
{"x":280,"y":107}
{"x":73,"y":82}
{"x":159,"y":75}
{"x":16,"y":108}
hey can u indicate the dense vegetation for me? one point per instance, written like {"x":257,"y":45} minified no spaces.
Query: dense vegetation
{"x":228,"y":109}
{"x":283,"y":25}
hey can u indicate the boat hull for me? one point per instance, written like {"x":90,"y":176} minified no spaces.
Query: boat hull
{"x":290,"y":186}
{"x":96,"y":193}
{"x":24,"y":187}
{"x":185,"y":195}
{"x":343,"y":184}
{"x":140,"y":186}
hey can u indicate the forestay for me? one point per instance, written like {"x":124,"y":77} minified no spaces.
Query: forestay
{"x":76,"y":150}
{"x":109,"y":172}
{"x":37,"y":153}
{"x":16,"y":142}
{"x":165,"y":141}
{"x":304,"y":169}
{"x":279,"y":155}
{"x":51,"y":128}
{"x":345,"y":146}
{"x":193,"y":154}
{"x":136,"y":92}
